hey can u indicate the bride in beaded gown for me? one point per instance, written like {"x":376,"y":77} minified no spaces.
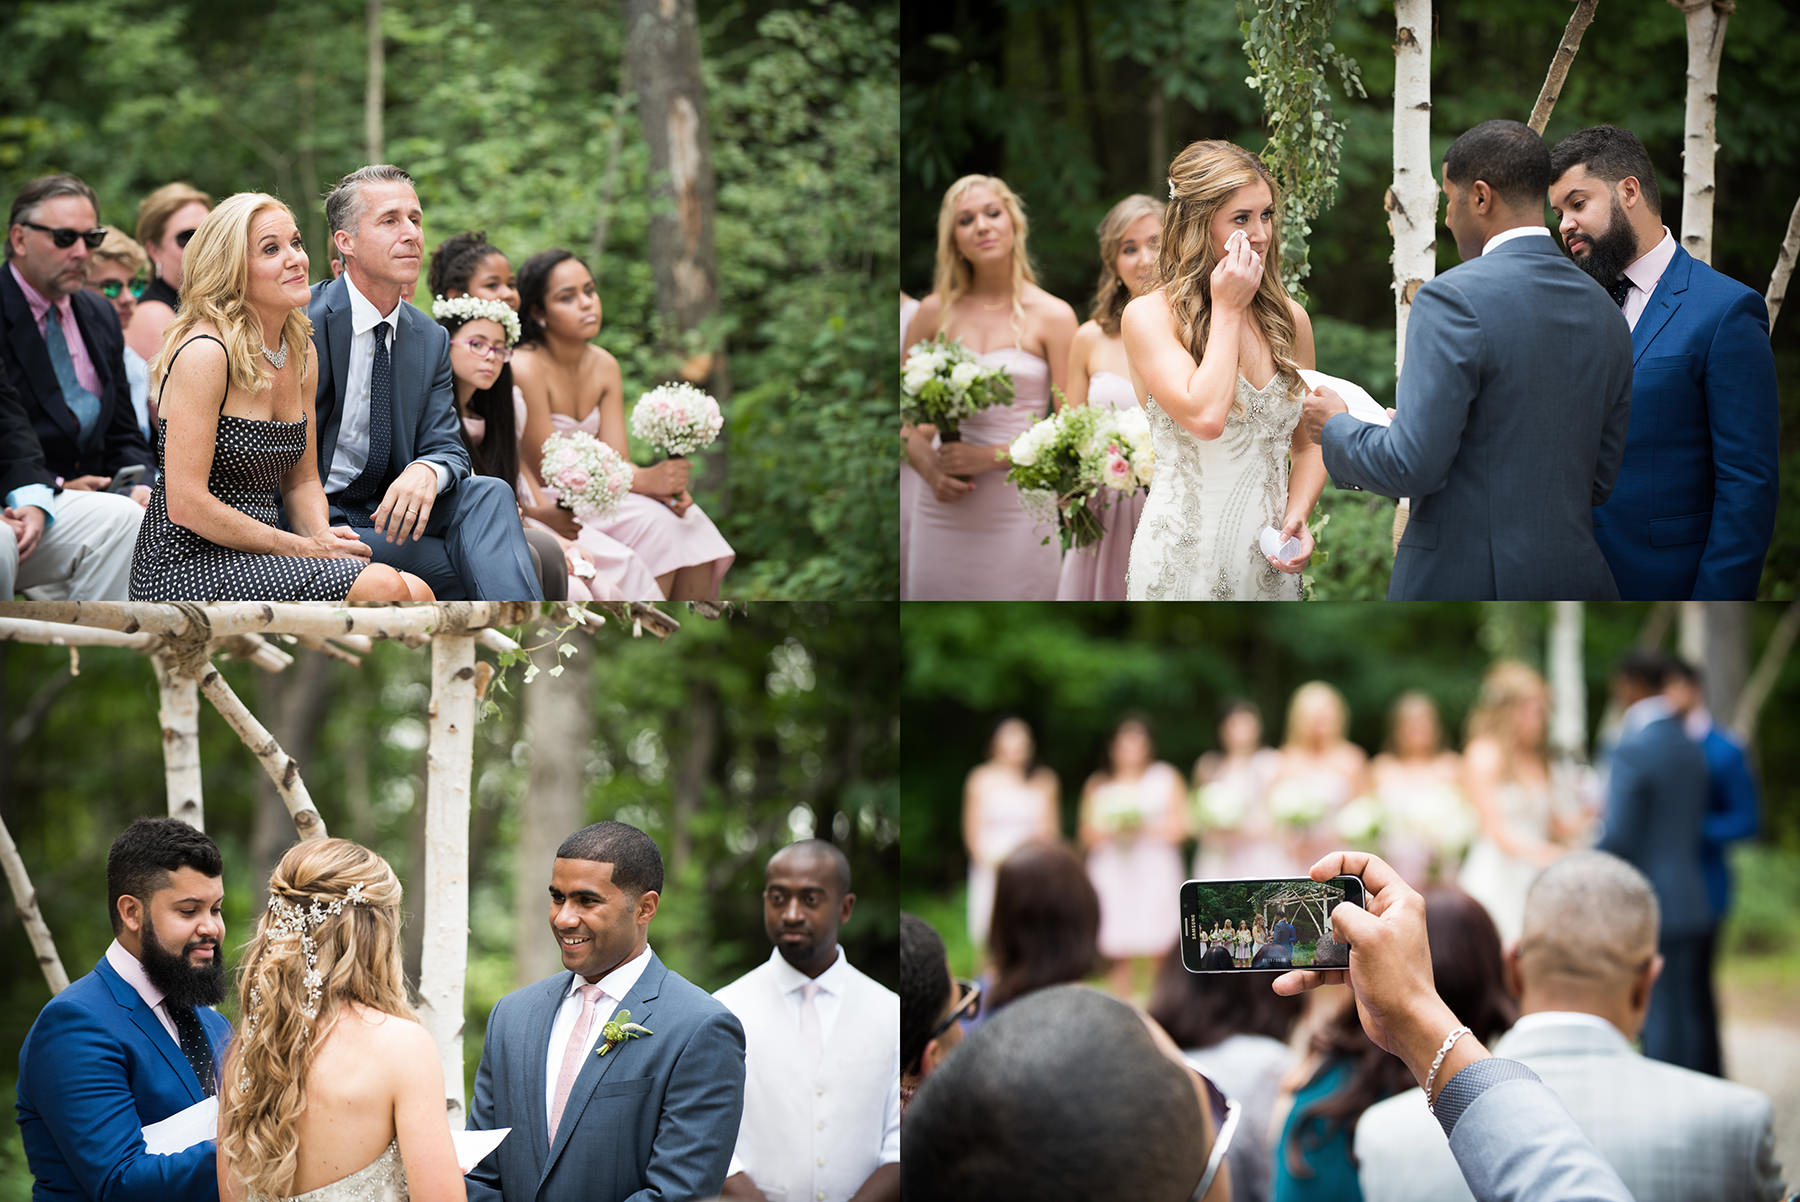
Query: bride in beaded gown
{"x":1232,"y":459}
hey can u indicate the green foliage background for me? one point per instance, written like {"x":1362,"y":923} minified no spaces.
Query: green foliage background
{"x":808,"y":741}
{"x":507,"y":115}
{"x":1077,"y":103}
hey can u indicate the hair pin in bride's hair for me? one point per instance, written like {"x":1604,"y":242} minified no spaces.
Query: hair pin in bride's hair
{"x":1171,"y":189}
{"x":293,"y":919}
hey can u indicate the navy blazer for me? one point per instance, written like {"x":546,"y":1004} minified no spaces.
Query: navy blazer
{"x":1655,"y":815}
{"x":1733,"y":811}
{"x":425,"y":425}
{"x":21,"y":457}
{"x":1512,"y":413}
{"x":118,"y":442}
{"x":1694,"y":508}
{"x":96,"y":1068}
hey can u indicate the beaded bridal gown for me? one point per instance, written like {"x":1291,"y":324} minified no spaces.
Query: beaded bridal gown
{"x":381,"y":1180}
{"x":1211,"y":499}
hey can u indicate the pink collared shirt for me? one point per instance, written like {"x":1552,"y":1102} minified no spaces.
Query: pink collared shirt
{"x":85,"y":374}
{"x":1644,"y":275}
{"x":133,"y":974}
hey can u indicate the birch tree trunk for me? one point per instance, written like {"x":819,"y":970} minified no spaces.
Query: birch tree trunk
{"x":559,"y":729}
{"x":1412,"y":199}
{"x":179,"y":713}
{"x":444,"y":956}
{"x":1768,"y":668}
{"x":372,"y":93}
{"x":25,"y":898}
{"x":1705,"y":40}
{"x":1568,"y":682}
{"x":1579,"y":20}
{"x":282,"y":769}
{"x":1716,"y":635}
{"x":1784,"y":267}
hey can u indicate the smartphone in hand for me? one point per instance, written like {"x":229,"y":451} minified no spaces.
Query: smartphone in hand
{"x":126,"y":478}
{"x":1265,"y":924}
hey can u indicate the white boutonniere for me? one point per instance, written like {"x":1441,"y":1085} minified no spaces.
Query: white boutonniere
{"x":618,"y":1029}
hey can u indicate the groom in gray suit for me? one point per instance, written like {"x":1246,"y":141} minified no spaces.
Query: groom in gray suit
{"x":390,"y":452}
{"x":1512,"y":405}
{"x":621,"y":1081}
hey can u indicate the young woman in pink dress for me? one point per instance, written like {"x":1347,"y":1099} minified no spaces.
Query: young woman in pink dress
{"x":1237,"y":835}
{"x":1007,"y":802}
{"x":571,"y":384}
{"x":1418,"y":784}
{"x":970,"y":539}
{"x":1099,"y":374}
{"x":1320,"y":770}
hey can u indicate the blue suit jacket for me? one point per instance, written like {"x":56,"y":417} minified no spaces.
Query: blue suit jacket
{"x":425,"y":424}
{"x":1512,"y":411}
{"x":1655,"y":813}
{"x":1694,"y":507}
{"x":654,"y":1120}
{"x":96,"y":1069}
{"x":1732,"y":812}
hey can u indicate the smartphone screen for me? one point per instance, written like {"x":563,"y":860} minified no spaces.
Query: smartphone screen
{"x":1263,"y":925}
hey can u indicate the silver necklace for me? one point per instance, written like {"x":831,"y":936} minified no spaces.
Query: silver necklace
{"x":277,"y":358}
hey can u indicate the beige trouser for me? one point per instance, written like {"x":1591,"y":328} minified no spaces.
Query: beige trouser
{"x":84,"y":555}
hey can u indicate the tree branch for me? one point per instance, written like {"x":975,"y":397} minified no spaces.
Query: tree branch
{"x":1784,"y":267}
{"x":1579,"y":20}
{"x":25,"y":897}
{"x":282,"y":768}
{"x":1768,"y":668}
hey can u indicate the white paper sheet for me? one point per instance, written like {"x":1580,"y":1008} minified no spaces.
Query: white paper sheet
{"x":1363,"y":407}
{"x":472,"y":1147}
{"x":183,"y":1129}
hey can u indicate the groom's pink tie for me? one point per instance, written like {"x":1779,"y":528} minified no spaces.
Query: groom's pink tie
{"x":571,"y":1062}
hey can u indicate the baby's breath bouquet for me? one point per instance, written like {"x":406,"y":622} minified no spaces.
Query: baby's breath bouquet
{"x":590,"y":478}
{"x":942,"y":383}
{"x":1070,"y":458}
{"x":676,"y":419}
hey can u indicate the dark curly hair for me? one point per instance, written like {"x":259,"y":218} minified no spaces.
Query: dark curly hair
{"x":925,"y":987}
{"x":454,"y":261}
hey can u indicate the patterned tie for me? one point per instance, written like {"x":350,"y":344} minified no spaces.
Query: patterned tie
{"x":572,"y":1055}
{"x":194,"y":1046}
{"x":1619,"y":289}
{"x":82,"y":403}
{"x":812,"y":1044}
{"x":361,"y":492}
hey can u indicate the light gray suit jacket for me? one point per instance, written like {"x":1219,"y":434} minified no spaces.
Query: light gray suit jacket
{"x":1512,"y":412}
{"x":1672,"y":1135}
{"x":653,"y":1121}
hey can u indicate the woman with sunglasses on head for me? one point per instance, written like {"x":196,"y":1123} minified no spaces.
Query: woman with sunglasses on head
{"x":167,"y":219}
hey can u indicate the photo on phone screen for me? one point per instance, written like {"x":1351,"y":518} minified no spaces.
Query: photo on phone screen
{"x":1263,"y":925}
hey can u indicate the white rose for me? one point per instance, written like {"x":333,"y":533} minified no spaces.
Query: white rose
{"x":964,"y":374}
{"x":916,"y":378}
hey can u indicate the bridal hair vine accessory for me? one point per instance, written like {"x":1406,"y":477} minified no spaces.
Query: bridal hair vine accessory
{"x":618,"y":1029}
{"x":294,"y":919}
{"x":1171,"y":189}
{"x":468,"y":308}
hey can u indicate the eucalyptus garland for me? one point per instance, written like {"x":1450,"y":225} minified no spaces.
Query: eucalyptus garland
{"x":1288,"y":43}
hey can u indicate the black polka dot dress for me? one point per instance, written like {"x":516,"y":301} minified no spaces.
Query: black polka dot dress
{"x":250,"y":459}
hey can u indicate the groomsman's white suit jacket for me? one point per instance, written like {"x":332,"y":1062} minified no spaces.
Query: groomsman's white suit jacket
{"x":1673,"y":1135}
{"x":818,"y":1138}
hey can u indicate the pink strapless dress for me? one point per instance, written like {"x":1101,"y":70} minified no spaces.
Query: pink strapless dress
{"x":986,"y":547}
{"x":1097,"y":572}
{"x":661,"y":541}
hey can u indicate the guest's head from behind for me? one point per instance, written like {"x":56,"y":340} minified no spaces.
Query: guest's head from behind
{"x":166,"y":222}
{"x":328,"y":941}
{"x":467,"y":264}
{"x":1512,"y":708}
{"x":116,"y":264}
{"x":1216,"y":959}
{"x":1603,"y":192}
{"x":558,"y":298}
{"x":1495,"y":178}
{"x":165,"y":893}
{"x":806,"y":897}
{"x":1640,"y":673}
{"x":1589,"y":941}
{"x":1241,"y":728}
{"x":931,"y":1002}
{"x":377,"y":227}
{"x":246,"y":272}
{"x":1317,"y":717}
{"x":1065,"y":1097}
{"x":1683,"y":686}
{"x":53,"y":229}
{"x":1414,"y":732}
{"x":982,"y":229}
{"x":1130,"y":241}
{"x":604,"y":888}
{"x":482,"y":335}
{"x":1132,"y":747}
{"x":1046,"y":921}
{"x":1012,"y":744}
{"x":1199,"y":1011}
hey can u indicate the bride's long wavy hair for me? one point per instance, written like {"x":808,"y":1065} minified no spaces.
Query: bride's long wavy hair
{"x":358,"y":952}
{"x":1201,"y":179}
{"x":1507,"y":686}
{"x":955,"y":275}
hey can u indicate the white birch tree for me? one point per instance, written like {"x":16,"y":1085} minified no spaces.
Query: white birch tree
{"x":1705,"y":44}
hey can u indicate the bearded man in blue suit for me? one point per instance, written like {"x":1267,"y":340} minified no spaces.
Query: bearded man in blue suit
{"x":136,"y":1040}
{"x":1694,"y":506}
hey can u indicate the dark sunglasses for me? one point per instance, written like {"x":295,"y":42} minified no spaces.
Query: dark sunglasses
{"x":1226,"y":1114}
{"x":65,"y":238}
{"x":111,"y":289}
{"x":968,"y":1005}
{"x":181,"y":239}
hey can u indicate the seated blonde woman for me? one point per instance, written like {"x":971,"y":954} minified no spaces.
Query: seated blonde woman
{"x":237,"y":436}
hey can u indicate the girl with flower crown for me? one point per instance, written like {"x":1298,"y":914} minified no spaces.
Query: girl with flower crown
{"x":570,"y":384}
{"x":332,"y":1091}
{"x":482,"y":334}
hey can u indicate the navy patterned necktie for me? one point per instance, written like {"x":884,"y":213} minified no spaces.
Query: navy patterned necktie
{"x":194,"y":1046}
{"x":1619,"y":289}
{"x":362,"y":491}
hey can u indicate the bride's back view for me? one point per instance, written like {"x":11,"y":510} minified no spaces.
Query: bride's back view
{"x":332,"y":1091}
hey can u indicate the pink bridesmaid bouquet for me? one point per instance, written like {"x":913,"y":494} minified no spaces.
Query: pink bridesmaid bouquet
{"x":676,"y":420}
{"x":590,"y":478}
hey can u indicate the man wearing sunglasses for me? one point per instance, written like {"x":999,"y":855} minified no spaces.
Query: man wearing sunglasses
{"x":822,"y":1048}
{"x":61,"y":346}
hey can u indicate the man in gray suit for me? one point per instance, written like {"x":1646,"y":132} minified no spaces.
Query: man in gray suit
{"x":1513,"y":403}
{"x":1583,"y":970}
{"x":390,"y":452}
{"x":621,"y":1081}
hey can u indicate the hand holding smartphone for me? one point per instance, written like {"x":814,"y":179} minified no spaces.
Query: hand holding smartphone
{"x":125,"y":479}
{"x":1264,"y":924}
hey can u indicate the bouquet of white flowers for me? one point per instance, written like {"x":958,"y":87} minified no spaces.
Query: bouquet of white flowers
{"x":1117,"y":810}
{"x":1360,"y":822}
{"x":942,"y":382}
{"x":676,"y":419}
{"x":1297,"y":803}
{"x":590,"y":478}
{"x":1220,"y":806}
{"x":1066,"y":461}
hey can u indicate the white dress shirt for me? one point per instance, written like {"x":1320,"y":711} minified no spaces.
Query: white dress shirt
{"x":131,"y":969}
{"x":614,"y":986}
{"x":1644,"y":274}
{"x":818,"y":1139}
{"x":352,"y":453}
{"x":1517,"y":231}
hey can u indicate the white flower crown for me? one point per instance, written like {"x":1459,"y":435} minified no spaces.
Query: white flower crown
{"x":468,"y":308}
